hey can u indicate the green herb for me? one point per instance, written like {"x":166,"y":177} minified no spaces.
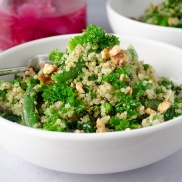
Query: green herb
{"x":88,"y":127}
{"x":140,"y":87}
{"x":95,"y":36}
{"x":122,"y":124}
{"x":56,"y":57}
{"x":54,"y":122}
{"x":61,"y":92}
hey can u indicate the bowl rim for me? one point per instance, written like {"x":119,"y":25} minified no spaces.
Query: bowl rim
{"x":109,"y":7}
{"x":88,"y":136}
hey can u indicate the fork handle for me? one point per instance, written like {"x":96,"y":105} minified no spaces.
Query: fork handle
{"x":8,"y":71}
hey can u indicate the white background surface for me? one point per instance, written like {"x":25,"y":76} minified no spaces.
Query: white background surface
{"x":14,"y":169}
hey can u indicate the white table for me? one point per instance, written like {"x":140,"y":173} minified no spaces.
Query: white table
{"x":14,"y":169}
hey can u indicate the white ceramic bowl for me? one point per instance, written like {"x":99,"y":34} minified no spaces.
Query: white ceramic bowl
{"x":95,"y":153}
{"x":120,"y":11}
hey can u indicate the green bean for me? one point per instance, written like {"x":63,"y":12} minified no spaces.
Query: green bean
{"x":66,"y":75}
{"x":29,"y":113}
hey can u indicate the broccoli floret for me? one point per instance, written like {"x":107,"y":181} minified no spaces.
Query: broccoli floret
{"x":96,"y":36}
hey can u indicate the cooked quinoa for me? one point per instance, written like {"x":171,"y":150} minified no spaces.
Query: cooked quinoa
{"x":93,"y":87}
{"x":167,"y":13}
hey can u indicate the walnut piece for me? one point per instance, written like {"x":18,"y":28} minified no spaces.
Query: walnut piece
{"x":79,"y":87}
{"x":162,"y":107}
{"x":49,"y":68}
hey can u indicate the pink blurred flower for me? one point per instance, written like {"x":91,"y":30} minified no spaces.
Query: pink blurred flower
{"x":37,"y":9}
{"x":34,"y":19}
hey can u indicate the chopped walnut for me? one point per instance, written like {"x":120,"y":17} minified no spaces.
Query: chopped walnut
{"x":173,"y":21}
{"x":119,"y":59}
{"x":100,"y":126}
{"x":115,"y":50}
{"x":29,"y":73}
{"x":45,"y":79}
{"x":121,"y":78}
{"x":107,"y":64}
{"x":149,"y":111}
{"x":116,"y":55}
{"x":130,"y":91}
{"x":128,"y":129}
{"x":105,"y":53}
{"x":79,"y":87}
{"x":141,"y":76}
{"x":162,"y":107}
{"x":78,"y":131}
{"x":49,"y":68}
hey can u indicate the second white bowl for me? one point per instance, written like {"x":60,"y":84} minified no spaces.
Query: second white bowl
{"x":120,"y":14}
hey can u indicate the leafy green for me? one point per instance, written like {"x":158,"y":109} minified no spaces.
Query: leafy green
{"x":140,"y":87}
{"x":113,"y":77}
{"x":21,"y":82}
{"x":146,"y":66}
{"x":54,"y":122}
{"x":174,"y":1}
{"x":56,"y":57}
{"x":128,"y":104}
{"x":95,"y":36}
{"x":11,"y":117}
{"x":122,"y":124}
{"x":168,"y":84}
{"x":171,"y":112}
{"x":87,"y":127}
{"x":3,"y":94}
{"x":61,"y":92}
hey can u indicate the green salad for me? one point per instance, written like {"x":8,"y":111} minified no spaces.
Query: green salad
{"x":94,"y":86}
{"x":168,"y":13}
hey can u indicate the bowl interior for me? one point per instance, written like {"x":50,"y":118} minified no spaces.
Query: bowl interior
{"x":131,"y":8}
{"x":166,"y":59}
